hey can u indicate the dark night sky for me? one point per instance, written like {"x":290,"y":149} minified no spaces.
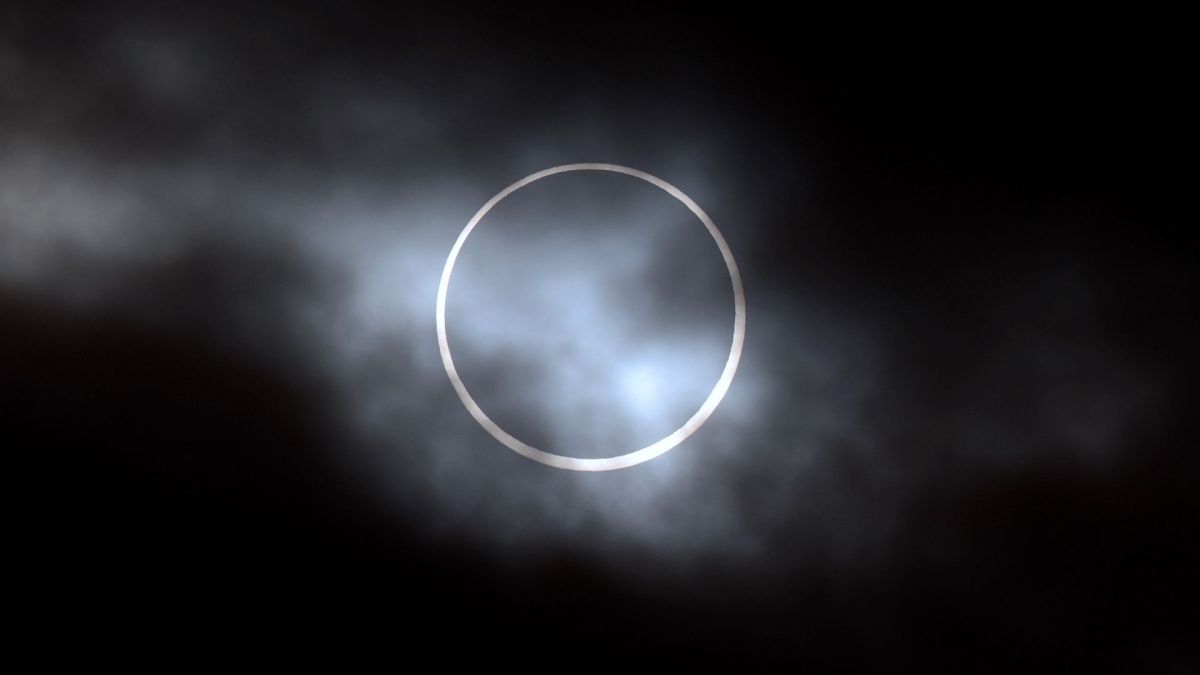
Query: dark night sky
{"x":960,"y":438}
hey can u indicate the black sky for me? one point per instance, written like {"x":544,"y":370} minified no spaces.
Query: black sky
{"x":963,"y":438}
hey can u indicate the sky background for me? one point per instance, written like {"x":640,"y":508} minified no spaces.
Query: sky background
{"x":958,"y":437}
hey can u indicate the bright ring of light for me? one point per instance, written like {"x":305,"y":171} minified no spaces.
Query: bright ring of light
{"x":654,"y":449}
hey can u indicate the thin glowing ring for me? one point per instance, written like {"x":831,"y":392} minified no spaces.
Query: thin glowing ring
{"x":654,"y":449}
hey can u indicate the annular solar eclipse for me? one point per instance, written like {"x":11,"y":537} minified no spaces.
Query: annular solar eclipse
{"x":656,"y":448}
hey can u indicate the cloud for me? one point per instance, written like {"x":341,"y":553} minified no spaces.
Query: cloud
{"x":307,"y":225}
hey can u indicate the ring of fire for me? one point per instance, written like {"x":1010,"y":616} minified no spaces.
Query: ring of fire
{"x":654,"y":449}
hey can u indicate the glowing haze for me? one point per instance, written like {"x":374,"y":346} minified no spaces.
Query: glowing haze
{"x":303,"y":226}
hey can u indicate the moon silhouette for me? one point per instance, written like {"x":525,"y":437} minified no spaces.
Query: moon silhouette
{"x":654,"y":449}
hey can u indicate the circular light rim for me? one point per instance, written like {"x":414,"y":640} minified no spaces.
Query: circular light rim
{"x":656,"y":448}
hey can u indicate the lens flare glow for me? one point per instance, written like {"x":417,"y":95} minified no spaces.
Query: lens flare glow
{"x":638,"y":382}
